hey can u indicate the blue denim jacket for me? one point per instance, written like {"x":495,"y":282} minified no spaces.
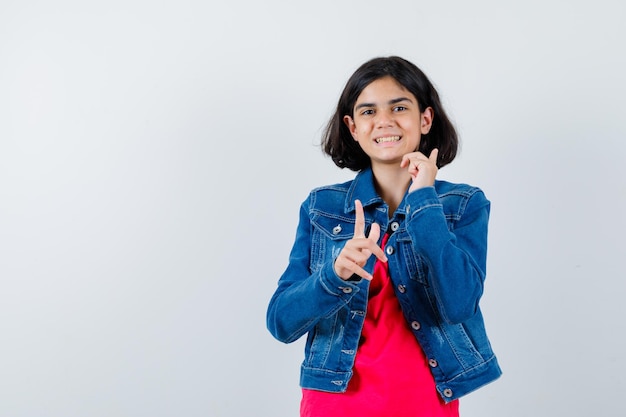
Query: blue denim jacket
{"x":437,"y":255}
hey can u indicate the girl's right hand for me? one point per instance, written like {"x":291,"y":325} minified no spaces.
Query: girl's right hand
{"x":357,"y":250}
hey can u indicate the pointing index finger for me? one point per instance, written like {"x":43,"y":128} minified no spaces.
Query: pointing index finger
{"x":359,"y":222}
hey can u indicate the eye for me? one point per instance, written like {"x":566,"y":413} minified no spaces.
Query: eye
{"x":367,"y":112}
{"x":399,"y":108}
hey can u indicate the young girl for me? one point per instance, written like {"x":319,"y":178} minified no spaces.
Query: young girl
{"x":387,"y":270}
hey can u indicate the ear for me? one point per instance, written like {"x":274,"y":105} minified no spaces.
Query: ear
{"x":351,"y":126}
{"x":427,"y":120}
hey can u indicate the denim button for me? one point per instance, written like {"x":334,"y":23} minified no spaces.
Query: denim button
{"x":337,"y":229}
{"x":394,"y":226}
{"x":433,"y":363}
{"x":416,"y":325}
{"x":346,"y":290}
{"x":389,"y":250}
{"x":447,"y":392}
{"x":401,"y":288}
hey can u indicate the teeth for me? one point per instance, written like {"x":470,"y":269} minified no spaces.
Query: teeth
{"x":388,"y":139}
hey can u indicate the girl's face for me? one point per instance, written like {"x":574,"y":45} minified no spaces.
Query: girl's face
{"x":387,"y":121}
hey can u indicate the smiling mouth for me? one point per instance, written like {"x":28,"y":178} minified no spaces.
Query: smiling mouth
{"x":387,"y":139}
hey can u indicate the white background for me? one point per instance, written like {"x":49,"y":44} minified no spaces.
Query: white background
{"x":154,"y":154}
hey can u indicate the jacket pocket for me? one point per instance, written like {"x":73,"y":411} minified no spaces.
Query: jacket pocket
{"x":330,"y":234}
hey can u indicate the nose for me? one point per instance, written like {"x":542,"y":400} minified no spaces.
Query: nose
{"x":384,"y":119}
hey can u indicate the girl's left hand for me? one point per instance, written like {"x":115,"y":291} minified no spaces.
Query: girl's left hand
{"x":423,"y":170}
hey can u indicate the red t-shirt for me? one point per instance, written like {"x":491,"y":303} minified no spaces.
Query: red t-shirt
{"x":391,"y":374}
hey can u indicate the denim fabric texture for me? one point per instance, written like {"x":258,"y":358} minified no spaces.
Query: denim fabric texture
{"x":437,"y":256}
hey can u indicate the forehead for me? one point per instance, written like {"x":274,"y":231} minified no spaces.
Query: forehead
{"x":382,"y":90}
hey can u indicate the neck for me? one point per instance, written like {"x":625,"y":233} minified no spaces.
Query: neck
{"x":391,"y":184}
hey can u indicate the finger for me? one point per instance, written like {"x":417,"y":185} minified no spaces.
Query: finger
{"x":358,"y":251}
{"x":405,"y":161}
{"x":352,"y":257}
{"x":374,"y":232}
{"x":414,"y":157}
{"x":379,"y":254}
{"x":361,"y":272}
{"x":346,"y":267}
{"x":412,"y":167}
{"x":373,"y":247}
{"x":433,"y":156}
{"x":359,"y":222}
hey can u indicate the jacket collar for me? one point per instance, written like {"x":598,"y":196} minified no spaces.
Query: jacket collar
{"x":362,"y":188}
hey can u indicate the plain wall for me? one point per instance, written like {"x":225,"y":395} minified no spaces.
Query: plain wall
{"x":154,"y":154}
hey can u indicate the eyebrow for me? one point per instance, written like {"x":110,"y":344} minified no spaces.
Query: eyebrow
{"x":390,"y":102}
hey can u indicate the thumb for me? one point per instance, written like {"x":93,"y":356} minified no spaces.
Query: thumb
{"x":433,"y":155}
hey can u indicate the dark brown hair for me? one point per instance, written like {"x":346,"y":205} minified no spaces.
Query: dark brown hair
{"x":346,"y":152}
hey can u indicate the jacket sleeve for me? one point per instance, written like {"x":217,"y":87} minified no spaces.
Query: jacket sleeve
{"x":304,"y":297}
{"x":456,"y":257}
